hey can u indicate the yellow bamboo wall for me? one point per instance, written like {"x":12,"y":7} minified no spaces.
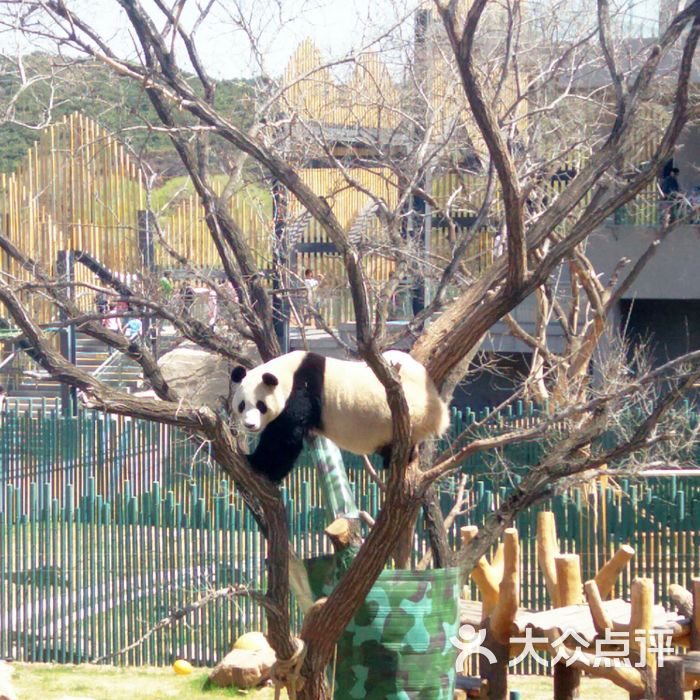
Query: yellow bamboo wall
{"x":77,"y":189}
{"x":369,"y":99}
{"x":185,"y":230}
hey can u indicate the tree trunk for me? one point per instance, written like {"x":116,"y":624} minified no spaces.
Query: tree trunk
{"x":404,"y":543}
{"x":315,"y":688}
{"x":435,"y":529}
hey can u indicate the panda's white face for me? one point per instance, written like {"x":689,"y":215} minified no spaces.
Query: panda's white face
{"x":258,"y":398}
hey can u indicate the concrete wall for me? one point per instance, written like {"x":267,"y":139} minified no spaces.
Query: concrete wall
{"x":672,"y":273}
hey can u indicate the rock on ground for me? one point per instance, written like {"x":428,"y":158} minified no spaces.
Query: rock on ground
{"x":201,"y":378}
{"x":243,"y":668}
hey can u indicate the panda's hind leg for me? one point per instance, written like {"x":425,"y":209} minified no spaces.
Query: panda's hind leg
{"x":385,"y":453}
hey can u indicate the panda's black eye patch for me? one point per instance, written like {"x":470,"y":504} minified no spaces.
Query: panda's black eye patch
{"x":261,"y":407}
{"x":241,"y":406}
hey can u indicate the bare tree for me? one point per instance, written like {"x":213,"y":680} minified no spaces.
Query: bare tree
{"x":536,"y":92}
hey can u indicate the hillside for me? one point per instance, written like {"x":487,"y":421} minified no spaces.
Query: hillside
{"x":120,"y":105}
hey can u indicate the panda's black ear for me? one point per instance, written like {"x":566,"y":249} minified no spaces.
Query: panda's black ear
{"x":270,"y":379}
{"x":238,"y":373}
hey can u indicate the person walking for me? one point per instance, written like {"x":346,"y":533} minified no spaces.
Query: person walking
{"x":311,"y":283}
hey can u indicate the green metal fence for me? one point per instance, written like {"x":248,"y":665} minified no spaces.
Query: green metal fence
{"x":92,"y":554}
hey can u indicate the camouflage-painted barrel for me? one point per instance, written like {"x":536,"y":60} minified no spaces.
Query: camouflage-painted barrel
{"x":397,"y":646}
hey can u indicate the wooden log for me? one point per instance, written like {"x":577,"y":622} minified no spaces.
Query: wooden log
{"x":606,"y":577}
{"x":601,"y":620}
{"x":503,"y":615}
{"x":669,"y":679}
{"x":682,"y":598}
{"x":343,"y":532}
{"x":482,"y":574}
{"x":547,"y":549}
{"x":567,"y":679}
{"x":641,"y":622}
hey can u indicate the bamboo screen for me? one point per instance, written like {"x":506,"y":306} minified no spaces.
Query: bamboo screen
{"x":77,"y":189}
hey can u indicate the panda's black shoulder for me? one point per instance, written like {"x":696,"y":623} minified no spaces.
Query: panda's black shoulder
{"x":310,"y":374}
{"x":303,"y":406}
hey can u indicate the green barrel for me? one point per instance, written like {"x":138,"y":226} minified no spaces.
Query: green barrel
{"x":397,"y":646}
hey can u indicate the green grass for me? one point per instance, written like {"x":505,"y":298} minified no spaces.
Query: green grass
{"x":53,"y":682}
{"x":177,"y":188}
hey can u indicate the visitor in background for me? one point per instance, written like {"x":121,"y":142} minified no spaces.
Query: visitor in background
{"x":112,"y":323}
{"x":101,"y":303}
{"x":212,"y":307}
{"x":187,"y":296}
{"x":166,"y":284}
{"x":670,"y":187}
{"x":672,"y":204}
{"x":133,"y":329}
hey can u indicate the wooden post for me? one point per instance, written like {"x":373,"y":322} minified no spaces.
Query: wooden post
{"x":500,"y":623}
{"x":503,"y":615}
{"x":65,"y":271}
{"x":568,"y":567}
{"x":495,"y":673}
{"x":641,"y":622}
{"x":547,"y":549}
{"x":147,"y":226}
{"x":670,"y":679}
{"x":483,"y":574}
{"x":567,"y":680}
{"x":606,"y":577}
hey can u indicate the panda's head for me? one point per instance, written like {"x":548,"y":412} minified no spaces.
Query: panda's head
{"x":258,"y":397}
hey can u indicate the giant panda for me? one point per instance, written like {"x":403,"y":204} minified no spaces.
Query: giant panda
{"x":301,"y":393}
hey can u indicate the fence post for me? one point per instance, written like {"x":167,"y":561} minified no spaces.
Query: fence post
{"x":65,"y":269}
{"x":146,"y":222}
